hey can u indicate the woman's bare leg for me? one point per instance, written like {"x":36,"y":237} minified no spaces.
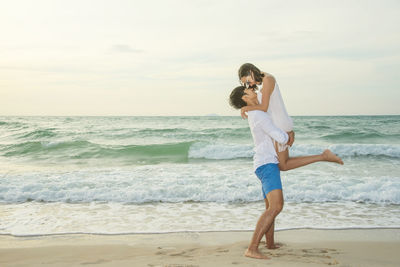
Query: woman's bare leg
{"x":288,"y":163}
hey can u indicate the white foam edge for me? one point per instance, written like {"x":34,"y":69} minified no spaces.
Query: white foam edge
{"x":207,"y":231}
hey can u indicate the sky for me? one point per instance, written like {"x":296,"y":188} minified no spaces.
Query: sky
{"x":172,"y":58}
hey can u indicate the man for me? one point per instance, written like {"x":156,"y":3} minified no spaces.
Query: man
{"x":265,"y":166}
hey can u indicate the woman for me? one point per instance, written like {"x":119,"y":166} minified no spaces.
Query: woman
{"x":270,"y":101}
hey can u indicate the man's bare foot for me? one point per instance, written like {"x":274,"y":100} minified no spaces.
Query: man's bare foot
{"x":330,"y":156}
{"x":274,"y":246}
{"x":255,"y":254}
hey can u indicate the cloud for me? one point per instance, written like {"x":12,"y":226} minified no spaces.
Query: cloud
{"x":123,"y":48}
{"x":194,"y":51}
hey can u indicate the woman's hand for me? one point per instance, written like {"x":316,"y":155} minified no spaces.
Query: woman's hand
{"x":291,"y":138}
{"x":243,"y":111}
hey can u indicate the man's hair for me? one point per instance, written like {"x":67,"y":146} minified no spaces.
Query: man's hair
{"x":235,"y":99}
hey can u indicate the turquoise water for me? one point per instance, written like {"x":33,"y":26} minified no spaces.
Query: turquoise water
{"x":148,"y":140}
{"x":195,"y":171}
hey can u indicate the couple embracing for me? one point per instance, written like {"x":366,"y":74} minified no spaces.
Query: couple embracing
{"x":272,"y":131}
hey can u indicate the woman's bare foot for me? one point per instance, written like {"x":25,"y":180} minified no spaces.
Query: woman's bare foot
{"x":255,"y":254}
{"x":330,"y":156}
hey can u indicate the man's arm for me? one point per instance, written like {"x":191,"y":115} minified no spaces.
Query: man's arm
{"x":266,"y":124}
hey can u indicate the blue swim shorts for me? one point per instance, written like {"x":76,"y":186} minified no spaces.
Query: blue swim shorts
{"x":270,"y":177}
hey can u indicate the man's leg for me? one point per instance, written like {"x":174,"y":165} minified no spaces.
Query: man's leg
{"x":269,"y":236}
{"x":286,"y":163}
{"x":275,"y":200}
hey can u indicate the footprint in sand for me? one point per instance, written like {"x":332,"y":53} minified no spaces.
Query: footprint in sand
{"x":310,"y":255}
{"x":95,"y":262}
{"x":318,"y":250}
{"x":177,"y":254}
{"x":222,"y":250}
{"x":182,"y":254}
{"x":320,"y":255}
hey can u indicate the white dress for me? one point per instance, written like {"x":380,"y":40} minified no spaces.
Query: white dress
{"x":278,"y":113}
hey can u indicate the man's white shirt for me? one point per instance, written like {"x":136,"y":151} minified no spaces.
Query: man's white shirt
{"x":264,"y":133}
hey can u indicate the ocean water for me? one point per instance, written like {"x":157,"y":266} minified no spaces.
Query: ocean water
{"x":115,"y":175}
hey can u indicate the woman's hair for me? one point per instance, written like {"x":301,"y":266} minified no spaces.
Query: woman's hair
{"x":235,"y":99}
{"x":245,"y":69}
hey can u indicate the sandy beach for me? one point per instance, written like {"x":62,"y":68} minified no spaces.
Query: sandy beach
{"x":353,"y":247}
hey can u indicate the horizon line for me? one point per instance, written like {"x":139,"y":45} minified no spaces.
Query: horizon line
{"x":207,"y":115}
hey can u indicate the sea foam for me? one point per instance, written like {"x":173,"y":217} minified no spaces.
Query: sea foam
{"x":199,"y":182}
{"x":231,"y":151}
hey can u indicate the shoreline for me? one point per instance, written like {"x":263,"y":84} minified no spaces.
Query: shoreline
{"x":203,"y":231}
{"x":301,"y":247}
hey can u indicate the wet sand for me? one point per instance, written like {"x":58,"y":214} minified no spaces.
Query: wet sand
{"x":353,"y":247}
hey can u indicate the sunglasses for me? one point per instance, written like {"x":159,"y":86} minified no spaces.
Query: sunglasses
{"x":245,"y":84}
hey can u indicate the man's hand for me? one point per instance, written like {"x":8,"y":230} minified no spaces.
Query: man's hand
{"x":291,"y":138}
{"x":243,"y":111}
